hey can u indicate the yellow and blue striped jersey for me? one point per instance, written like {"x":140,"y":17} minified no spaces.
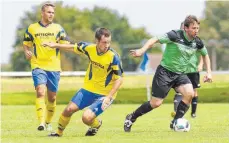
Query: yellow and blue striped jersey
{"x":44,"y":57}
{"x":103,"y":69}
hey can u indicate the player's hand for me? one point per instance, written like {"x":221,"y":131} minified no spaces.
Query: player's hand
{"x":137,"y":53}
{"x":28,"y":54}
{"x":208,"y":78}
{"x":106,"y":102}
{"x":49,"y":44}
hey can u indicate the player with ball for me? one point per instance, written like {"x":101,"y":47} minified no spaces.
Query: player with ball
{"x":179,"y":54}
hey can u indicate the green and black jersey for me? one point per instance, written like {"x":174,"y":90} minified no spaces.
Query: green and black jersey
{"x":181,"y":55}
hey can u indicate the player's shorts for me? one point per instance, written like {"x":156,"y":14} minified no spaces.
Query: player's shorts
{"x":84,"y":98}
{"x":164,"y":80}
{"x":195,"y":79}
{"x":49,"y":78}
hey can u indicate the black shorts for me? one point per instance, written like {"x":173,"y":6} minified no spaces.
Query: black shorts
{"x":164,"y":80}
{"x":195,"y":79}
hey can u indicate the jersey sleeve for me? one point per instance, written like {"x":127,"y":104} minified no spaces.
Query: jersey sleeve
{"x":28,"y":39}
{"x":117,"y":67}
{"x":168,"y":37}
{"x":203,"y":51}
{"x":81,"y":48}
{"x":62,"y":36}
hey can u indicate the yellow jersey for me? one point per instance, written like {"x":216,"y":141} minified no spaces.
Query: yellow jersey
{"x":44,"y":57}
{"x":103,"y":69}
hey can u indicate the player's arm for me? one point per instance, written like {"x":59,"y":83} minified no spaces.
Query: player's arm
{"x":200,"y":65}
{"x":148,"y":45}
{"x":207,"y":63}
{"x":27,"y":44}
{"x":117,"y":75}
{"x":64,"y":47}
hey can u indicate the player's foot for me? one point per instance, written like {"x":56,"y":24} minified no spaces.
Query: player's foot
{"x":92,"y":131}
{"x":171,"y":125}
{"x":48,"y":127}
{"x":193,"y":115}
{"x":41,"y":127}
{"x":54,"y":135}
{"x":128,"y":123}
{"x":173,"y":114}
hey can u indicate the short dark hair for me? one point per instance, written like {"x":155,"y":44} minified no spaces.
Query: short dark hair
{"x":190,"y":19}
{"x":102,"y":31}
{"x":47,"y":4}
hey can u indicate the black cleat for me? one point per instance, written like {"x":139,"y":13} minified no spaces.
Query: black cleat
{"x":41,"y":127}
{"x":54,"y":135}
{"x":193,"y":115}
{"x":171,"y":125}
{"x":92,"y":131}
{"x":128,"y":123}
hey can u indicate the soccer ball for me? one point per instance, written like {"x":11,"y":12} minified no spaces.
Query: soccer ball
{"x":181,"y":125}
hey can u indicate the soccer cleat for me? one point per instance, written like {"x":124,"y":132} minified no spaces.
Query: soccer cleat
{"x":193,"y":115}
{"x":173,"y":114}
{"x":48,"y":127}
{"x":54,"y":135}
{"x":92,"y":131}
{"x":171,"y":125}
{"x":128,"y":123}
{"x":41,"y":127}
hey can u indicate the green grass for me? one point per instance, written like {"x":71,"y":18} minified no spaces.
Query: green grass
{"x":18,"y":125}
{"x":20,"y":91}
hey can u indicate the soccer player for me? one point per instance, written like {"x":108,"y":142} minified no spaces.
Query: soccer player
{"x":194,"y":77}
{"x":102,"y":81}
{"x":181,"y":48}
{"x":45,"y":63}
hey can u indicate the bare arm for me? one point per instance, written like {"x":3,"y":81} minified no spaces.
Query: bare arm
{"x":115,"y":87}
{"x":27,"y":52}
{"x":200,"y":65}
{"x":64,"y":47}
{"x":141,"y":51}
{"x":208,"y":77}
{"x":110,"y":96}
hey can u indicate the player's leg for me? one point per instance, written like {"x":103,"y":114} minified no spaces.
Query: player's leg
{"x":176,"y":100}
{"x":184,"y":87}
{"x":79,"y":101}
{"x":65,"y":119}
{"x":90,"y":116}
{"x":195,"y":79}
{"x":40,"y":80}
{"x":194,"y":104}
{"x":160,"y":89}
{"x":52,"y":85}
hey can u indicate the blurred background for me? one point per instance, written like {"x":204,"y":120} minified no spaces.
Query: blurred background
{"x":131,"y":23}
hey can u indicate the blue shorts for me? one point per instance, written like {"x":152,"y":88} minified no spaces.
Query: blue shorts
{"x":49,"y":78}
{"x":84,"y":98}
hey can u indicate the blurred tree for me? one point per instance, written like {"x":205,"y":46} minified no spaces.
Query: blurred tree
{"x":79,"y":26}
{"x":214,"y":30}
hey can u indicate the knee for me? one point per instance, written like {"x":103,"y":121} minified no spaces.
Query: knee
{"x":40,"y":91}
{"x":87,"y":118}
{"x":155,"y":104}
{"x":68,"y":111}
{"x":189,"y":95}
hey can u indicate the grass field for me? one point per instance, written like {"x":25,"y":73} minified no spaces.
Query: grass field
{"x":18,"y":125}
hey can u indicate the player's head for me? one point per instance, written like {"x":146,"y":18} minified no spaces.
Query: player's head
{"x":191,"y":26}
{"x":47,"y":12}
{"x":103,"y":39}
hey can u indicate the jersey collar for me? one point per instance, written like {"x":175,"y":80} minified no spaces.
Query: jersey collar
{"x":39,"y":22}
{"x":100,"y":54}
{"x":186,"y":37}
